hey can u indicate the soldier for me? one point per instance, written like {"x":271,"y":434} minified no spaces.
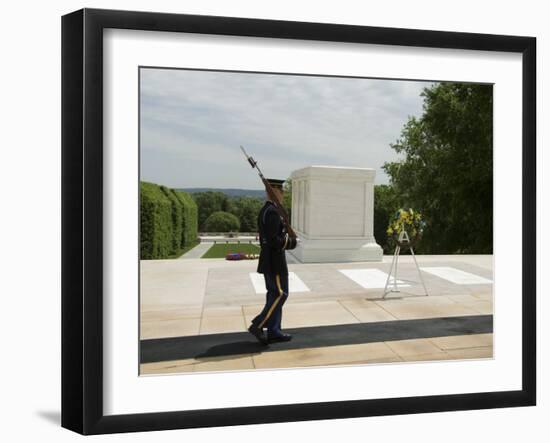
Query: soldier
{"x":274,"y":240}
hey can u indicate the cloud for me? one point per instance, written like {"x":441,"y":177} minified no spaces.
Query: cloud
{"x":192,"y":123}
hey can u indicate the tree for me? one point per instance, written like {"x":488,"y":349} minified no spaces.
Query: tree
{"x":386,"y":201}
{"x":447,"y":170}
{"x":208,"y":203}
{"x":221,"y":222}
{"x":287,"y":197}
{"x":246,"y":209}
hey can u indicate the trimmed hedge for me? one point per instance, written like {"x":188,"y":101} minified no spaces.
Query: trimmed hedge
{"x":190,"y":225}
{"x":177,"y":219}
{"x":155,"y":222}
{"x":168,"y":221}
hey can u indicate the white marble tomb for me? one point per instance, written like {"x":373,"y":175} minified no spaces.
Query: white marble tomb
{"x":332,"y":213}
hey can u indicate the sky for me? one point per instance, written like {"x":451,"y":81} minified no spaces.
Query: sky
{"x":193,"y":122}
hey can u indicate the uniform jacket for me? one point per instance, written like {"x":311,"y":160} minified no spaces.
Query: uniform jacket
{"x":274,"y":240}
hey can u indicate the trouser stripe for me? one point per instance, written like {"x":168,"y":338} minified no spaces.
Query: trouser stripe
{"x":274,"y":305}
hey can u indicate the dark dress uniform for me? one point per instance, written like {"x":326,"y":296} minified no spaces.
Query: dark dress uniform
{"x":274,"y":240}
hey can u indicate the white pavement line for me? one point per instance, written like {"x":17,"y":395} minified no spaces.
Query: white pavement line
{"x":295,"y":284}
{"x":457,"y":276}
{"x":370,"y":278}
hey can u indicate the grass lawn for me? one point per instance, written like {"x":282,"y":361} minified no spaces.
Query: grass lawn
{"x":186,"y":249}
{"x":220,"y":250}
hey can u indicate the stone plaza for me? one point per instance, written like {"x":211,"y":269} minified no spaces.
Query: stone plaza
{"x":195,"y":313}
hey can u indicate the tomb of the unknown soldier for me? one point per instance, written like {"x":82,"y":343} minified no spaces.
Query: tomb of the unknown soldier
{"x":332,"y":212}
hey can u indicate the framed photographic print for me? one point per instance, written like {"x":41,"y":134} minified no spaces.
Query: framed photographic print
{"x":269,"y":221}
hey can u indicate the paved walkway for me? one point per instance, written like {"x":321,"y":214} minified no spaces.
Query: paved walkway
{"x":237,"y":343}
{"x":197,"y":252}
{"x":189,"y":300}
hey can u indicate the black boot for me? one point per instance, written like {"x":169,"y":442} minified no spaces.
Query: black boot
{"x":279,"y":337}
{"x":258,"y":333}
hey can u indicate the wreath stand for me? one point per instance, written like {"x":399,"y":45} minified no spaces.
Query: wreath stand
{"x":403,"y":239}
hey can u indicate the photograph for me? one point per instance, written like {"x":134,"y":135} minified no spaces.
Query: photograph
{"x":292,"y":220}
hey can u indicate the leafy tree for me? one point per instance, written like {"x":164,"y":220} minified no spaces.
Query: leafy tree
{"x":386,"y":201}
{"x":246,"y":209}
{"x":447,"y":170}
{"x":221,"y":222}
{"x":208,"y":203}
{"x":287,"y":198}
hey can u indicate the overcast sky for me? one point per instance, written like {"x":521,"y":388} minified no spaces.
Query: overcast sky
{"x":192,"y":123}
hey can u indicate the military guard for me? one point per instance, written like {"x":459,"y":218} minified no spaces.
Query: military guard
{"x":274,"y":240}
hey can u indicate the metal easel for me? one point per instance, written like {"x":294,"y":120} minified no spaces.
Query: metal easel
{"x":403,"y":238}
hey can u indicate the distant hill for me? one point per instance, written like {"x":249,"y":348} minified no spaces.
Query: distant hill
{"x":257,"y":193}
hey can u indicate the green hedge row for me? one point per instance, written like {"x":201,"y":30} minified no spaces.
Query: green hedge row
{"x":190,"y":214}
{"x":168,"y":221}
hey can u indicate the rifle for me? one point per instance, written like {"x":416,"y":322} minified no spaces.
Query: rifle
{"x":272,"y":196}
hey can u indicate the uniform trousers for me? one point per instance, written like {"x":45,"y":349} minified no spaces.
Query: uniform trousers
{"x":277,"y":293}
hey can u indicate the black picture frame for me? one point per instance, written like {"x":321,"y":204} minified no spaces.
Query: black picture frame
{"x":82,"y":218}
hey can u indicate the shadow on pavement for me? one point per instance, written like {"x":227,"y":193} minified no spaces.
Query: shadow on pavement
{"x":235,"y":349}
{"x":239,"y":343}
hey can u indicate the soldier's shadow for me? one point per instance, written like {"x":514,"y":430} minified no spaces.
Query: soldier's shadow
{"x":228,"y":351}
